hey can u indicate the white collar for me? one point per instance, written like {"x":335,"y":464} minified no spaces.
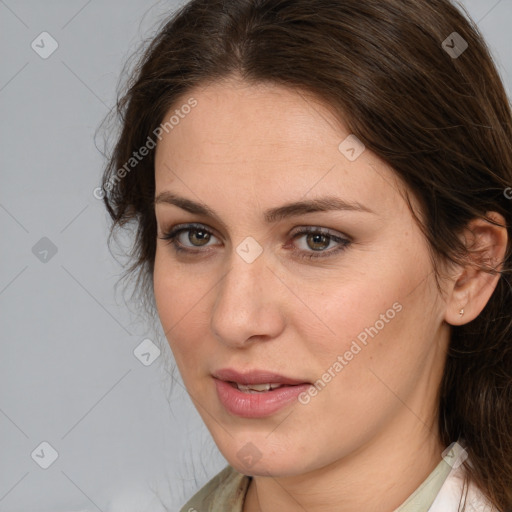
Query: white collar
{"x":450,"y":494}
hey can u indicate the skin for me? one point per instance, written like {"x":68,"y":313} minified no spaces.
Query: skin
{"x":247,"y":148}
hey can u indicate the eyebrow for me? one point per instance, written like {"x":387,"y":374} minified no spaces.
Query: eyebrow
{"x":272,"y":215}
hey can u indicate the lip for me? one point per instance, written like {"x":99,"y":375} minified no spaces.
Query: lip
{"x":255,"y":377}
{"x":259,"y":404}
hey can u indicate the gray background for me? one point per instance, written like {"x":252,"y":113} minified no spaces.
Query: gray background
{"x":124,"y":432}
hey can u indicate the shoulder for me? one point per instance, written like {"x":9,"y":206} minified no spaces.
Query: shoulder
{"x":452,"y":492}
{"x":225,"y":492}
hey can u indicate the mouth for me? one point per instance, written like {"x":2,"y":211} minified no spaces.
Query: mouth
{"x":256,"y":380}
{"x":258,"y":393}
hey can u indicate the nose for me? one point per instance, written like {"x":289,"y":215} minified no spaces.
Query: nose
{"x":248,"y":305}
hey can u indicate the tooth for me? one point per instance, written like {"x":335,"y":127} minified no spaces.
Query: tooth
{"x":254,"y":387}
{"x":257,"y":387}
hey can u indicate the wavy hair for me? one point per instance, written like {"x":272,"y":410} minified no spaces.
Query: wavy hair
{"x":441,"y":120}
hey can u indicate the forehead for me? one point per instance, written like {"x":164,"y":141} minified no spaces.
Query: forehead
{"x":267,"y":140}
{"x":233,"y":117}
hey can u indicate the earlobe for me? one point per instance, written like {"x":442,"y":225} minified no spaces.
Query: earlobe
{"x":458,"y":310}
{"x":477,"y":279}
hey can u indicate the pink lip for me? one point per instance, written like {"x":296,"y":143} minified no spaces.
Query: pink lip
{"x":254,"y":377}
{"x":260,"y":404}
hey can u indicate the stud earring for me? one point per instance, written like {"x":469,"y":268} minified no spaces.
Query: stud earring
{"x":461,"y":312}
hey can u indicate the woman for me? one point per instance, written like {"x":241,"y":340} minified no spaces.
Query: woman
{"x":321,"y":195}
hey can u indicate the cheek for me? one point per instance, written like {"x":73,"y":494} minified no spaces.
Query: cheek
{"x":164,"y":291}
{"x":367,"y":363}
{"x":376,"y":322}
{"x":172,"y":298}
{"x":176,"y":291}
{"x":181,"y":302}
{"x":348,"y":307}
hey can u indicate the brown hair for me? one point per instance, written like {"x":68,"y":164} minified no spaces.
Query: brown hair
{"x":442,"y":121}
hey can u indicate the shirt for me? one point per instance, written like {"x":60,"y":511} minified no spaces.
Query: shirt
{"x":441,"y":491}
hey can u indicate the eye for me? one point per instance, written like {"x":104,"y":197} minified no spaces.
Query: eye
{"x":196,"y":235}
{"x":319,"y":242}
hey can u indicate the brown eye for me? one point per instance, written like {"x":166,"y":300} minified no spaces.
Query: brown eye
{"x":186,"y":238}
{"x":198,"y":237}
{"x":318,"y":242}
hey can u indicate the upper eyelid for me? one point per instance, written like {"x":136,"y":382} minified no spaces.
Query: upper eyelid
{"x":189,"y":227}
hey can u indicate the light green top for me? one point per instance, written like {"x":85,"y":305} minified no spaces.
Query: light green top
{"x":226,"y":491}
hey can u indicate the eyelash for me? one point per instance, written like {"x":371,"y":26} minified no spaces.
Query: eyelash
{"x":172,"y":235}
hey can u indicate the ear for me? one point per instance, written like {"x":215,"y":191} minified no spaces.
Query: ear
{"x":472,"y":285}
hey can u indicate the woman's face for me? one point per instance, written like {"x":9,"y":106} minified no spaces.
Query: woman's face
{"x":351,"y":306}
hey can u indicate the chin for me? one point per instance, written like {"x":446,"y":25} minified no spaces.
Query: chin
{"x":255,"y":458}
{"x":269,"y":468}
